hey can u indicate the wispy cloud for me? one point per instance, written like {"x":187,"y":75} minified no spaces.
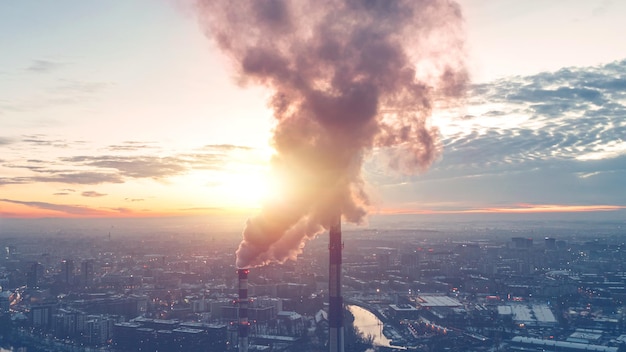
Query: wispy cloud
{"x":118,"y":167}
{"x":134,"y":199}
{"x":558,"y":115}
{"x":65,"y":192}
{"x":602,"y":8}
{"x":131,"y":146}
{"x":225,"y":147}
{"x":28,"y":167}
{"x":62,"y":208}
{"x":92,"y":194}
{"x":6,"y":141}
{"x":122,"y":210}
{"x":83,"y":88}
{"x":135,"y":167}
{"x":212,"y":157}
{"x":57,"y":93}
{"x":44,"y":66}
{"x":14,"y":180}
{"x":551,"y":138}
{"x":41,"y":140}
{"x":76,"y":178}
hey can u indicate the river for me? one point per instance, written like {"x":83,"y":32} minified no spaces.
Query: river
{"x":12,"y":349}
{"x":369,"y":324}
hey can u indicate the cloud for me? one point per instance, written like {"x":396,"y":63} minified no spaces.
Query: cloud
{"x":122,"y":210}
{"x":131,"y":146}
{"x":44,"y":66}
{"x":202,"y":209}
{"x":28,"y":167}
{"x":134,"y":199}
{"x":67,"y":86}
{"x":551,"y":138}
{"x":113,"y":168}
{"x":62,"y":208}
{"x":6,"y":141}
{"x":135,"y":167}
{"x":83,"y":178}
{"x":602,"y":8}
{"x":93,"y":194}
{"x":210,"y":157}
{"x":61,"y":92}
{"x":225,"y":147}
{"x":560,"y":115}
{"x":204,"y":161}
{"x":41,"y":140}
{"x":64,"y":192}
{"x":13,"y":180}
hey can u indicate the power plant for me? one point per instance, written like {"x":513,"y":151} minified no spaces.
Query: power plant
{"x":333,"y":103}
{"x":335,"y":300}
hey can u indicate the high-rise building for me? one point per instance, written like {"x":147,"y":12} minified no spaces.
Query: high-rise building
{"x":522,"y":242}
{"x":5,"y":301}
{"x":409,"y":264}
{"x":67,"y":271}
{"x":550,"y":243}
{"x":41,"y":315}
{"x":87,"y":272}
{"x":34,"y":275}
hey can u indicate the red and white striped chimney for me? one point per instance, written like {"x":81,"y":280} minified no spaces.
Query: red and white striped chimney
{"x":244,"y":325}
{"x":335,"y":300}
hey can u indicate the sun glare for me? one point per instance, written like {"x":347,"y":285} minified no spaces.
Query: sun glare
{"x":243,"y":190}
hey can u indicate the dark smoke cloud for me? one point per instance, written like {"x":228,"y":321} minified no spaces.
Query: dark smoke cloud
{"x":347,"y":76}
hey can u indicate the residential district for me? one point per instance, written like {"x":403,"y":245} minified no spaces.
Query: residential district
{"x":510,"y":287}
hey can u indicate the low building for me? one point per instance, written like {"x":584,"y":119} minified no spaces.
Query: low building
{"x":529,"y":315}
{"x":519,"y":343}
{"x":428,"y":301}
{"x":403,"y":311}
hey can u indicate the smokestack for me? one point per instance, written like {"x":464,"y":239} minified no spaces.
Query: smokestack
{"x":335,"y":301}
{"x":244,"y":325}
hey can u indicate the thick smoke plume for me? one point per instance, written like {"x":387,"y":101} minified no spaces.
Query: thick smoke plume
{"x":347,"y":76}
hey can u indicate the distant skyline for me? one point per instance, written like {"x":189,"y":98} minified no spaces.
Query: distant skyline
{"x":125,"y":109}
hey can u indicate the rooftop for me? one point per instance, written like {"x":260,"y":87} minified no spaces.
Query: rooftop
{"x":437,"y":301}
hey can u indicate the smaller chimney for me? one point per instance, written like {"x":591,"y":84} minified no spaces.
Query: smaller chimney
{"x":244,"y":325}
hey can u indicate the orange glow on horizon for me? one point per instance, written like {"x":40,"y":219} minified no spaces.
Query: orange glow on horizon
{"x":18,"y":211}
{"x":522,"y":208}
{"x":554,"y":208}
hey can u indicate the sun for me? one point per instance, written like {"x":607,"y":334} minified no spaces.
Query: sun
{"x":244,"y":190}
{"x":241,"y":182}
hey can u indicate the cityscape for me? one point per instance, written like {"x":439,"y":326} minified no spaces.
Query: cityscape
{"x":505,"y":286}
{"x":312,"y":176}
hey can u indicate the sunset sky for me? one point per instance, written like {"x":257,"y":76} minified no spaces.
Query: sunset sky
{"x":125,"y":108}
